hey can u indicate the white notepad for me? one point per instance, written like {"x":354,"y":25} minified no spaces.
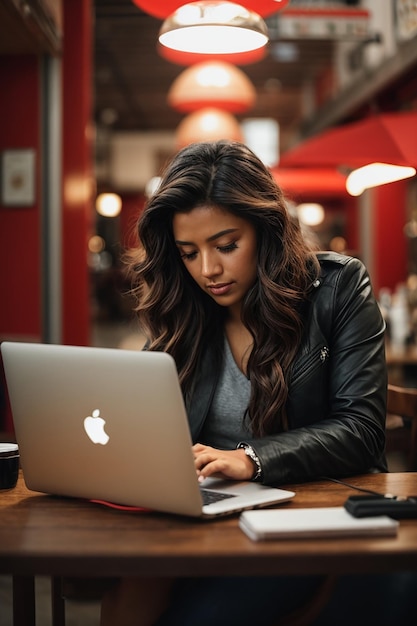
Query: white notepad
{"x":319,"y":522}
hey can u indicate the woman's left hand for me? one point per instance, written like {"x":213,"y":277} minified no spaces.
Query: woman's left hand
{"x":231,"y":464}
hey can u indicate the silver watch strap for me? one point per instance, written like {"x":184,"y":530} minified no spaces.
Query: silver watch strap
{"x":250,"y":452}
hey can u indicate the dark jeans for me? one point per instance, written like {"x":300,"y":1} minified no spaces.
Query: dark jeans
{"x":250,"y":601}
{"x":377,"y":600}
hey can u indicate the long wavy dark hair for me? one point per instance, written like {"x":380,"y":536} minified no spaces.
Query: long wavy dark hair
{"x":179,"y":318}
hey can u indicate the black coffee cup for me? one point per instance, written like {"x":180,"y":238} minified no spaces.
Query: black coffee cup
{"x":9,"y":465}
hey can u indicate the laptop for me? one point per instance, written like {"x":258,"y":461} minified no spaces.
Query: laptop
{"x":110,"y":424}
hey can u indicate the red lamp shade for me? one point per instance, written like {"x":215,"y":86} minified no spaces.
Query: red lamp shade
{"x":159,"y":8}
{"x":209,"y":124}
{"x":213,"y":27}
{"x":163,"y":8}
{"x":212,"y":84}
{"x":264,"y":7}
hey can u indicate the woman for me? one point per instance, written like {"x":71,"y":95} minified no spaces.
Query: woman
{"x":279,"y":350}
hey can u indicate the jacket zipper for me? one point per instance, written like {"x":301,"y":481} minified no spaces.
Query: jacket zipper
{"x":315,"y":360}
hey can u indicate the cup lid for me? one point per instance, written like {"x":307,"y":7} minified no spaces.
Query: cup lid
{"x":8,"y":450}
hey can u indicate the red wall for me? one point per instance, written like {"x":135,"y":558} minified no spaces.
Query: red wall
{"x":20,"y":227}
{"x":20,"y":313}
{"x":20,"y":309}
{"x":20,"y":244}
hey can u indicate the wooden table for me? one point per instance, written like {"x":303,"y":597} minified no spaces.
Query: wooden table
{"x":44,"y":535}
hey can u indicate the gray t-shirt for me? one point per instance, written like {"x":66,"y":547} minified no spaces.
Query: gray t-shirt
{"x":225,"y":425}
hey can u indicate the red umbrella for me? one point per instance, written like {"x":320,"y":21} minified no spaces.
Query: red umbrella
{"x":387,"y":138}
{"x":310,"y":181}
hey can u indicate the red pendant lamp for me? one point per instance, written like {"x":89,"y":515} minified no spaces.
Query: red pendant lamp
{"x":208,"y":124}
{"x":212,"y":84}
{"x":163,"y":8}
{"x":213,"y":29}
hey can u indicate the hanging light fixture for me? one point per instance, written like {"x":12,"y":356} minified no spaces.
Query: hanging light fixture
{"x":375,"y":174}
{"x":212,"y":83}
{"x":213,"y":27}
{"x":208,"y":124}
{"x":163,"y":8}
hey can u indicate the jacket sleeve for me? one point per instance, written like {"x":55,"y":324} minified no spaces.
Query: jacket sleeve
{"x":348,"y":437}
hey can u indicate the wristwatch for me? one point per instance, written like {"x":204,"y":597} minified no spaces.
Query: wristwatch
{"x":250,"y":452}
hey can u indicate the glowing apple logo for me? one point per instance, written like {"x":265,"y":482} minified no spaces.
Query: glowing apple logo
{"x":94,"y":427}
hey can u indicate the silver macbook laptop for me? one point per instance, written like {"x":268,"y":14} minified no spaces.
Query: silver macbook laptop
{"x":110,"y":424}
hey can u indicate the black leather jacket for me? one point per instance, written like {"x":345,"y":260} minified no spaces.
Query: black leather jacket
{"x":337,"y":391}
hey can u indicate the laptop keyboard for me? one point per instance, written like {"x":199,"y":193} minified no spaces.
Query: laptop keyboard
{"x":209,"y":496}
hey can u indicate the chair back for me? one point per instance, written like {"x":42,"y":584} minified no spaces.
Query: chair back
{"x":402,"y":423}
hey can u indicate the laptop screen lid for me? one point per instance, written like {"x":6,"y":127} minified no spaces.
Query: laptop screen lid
{"x":110,"y":424}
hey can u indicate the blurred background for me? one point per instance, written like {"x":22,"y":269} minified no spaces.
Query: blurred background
{"x":92,"y":107}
